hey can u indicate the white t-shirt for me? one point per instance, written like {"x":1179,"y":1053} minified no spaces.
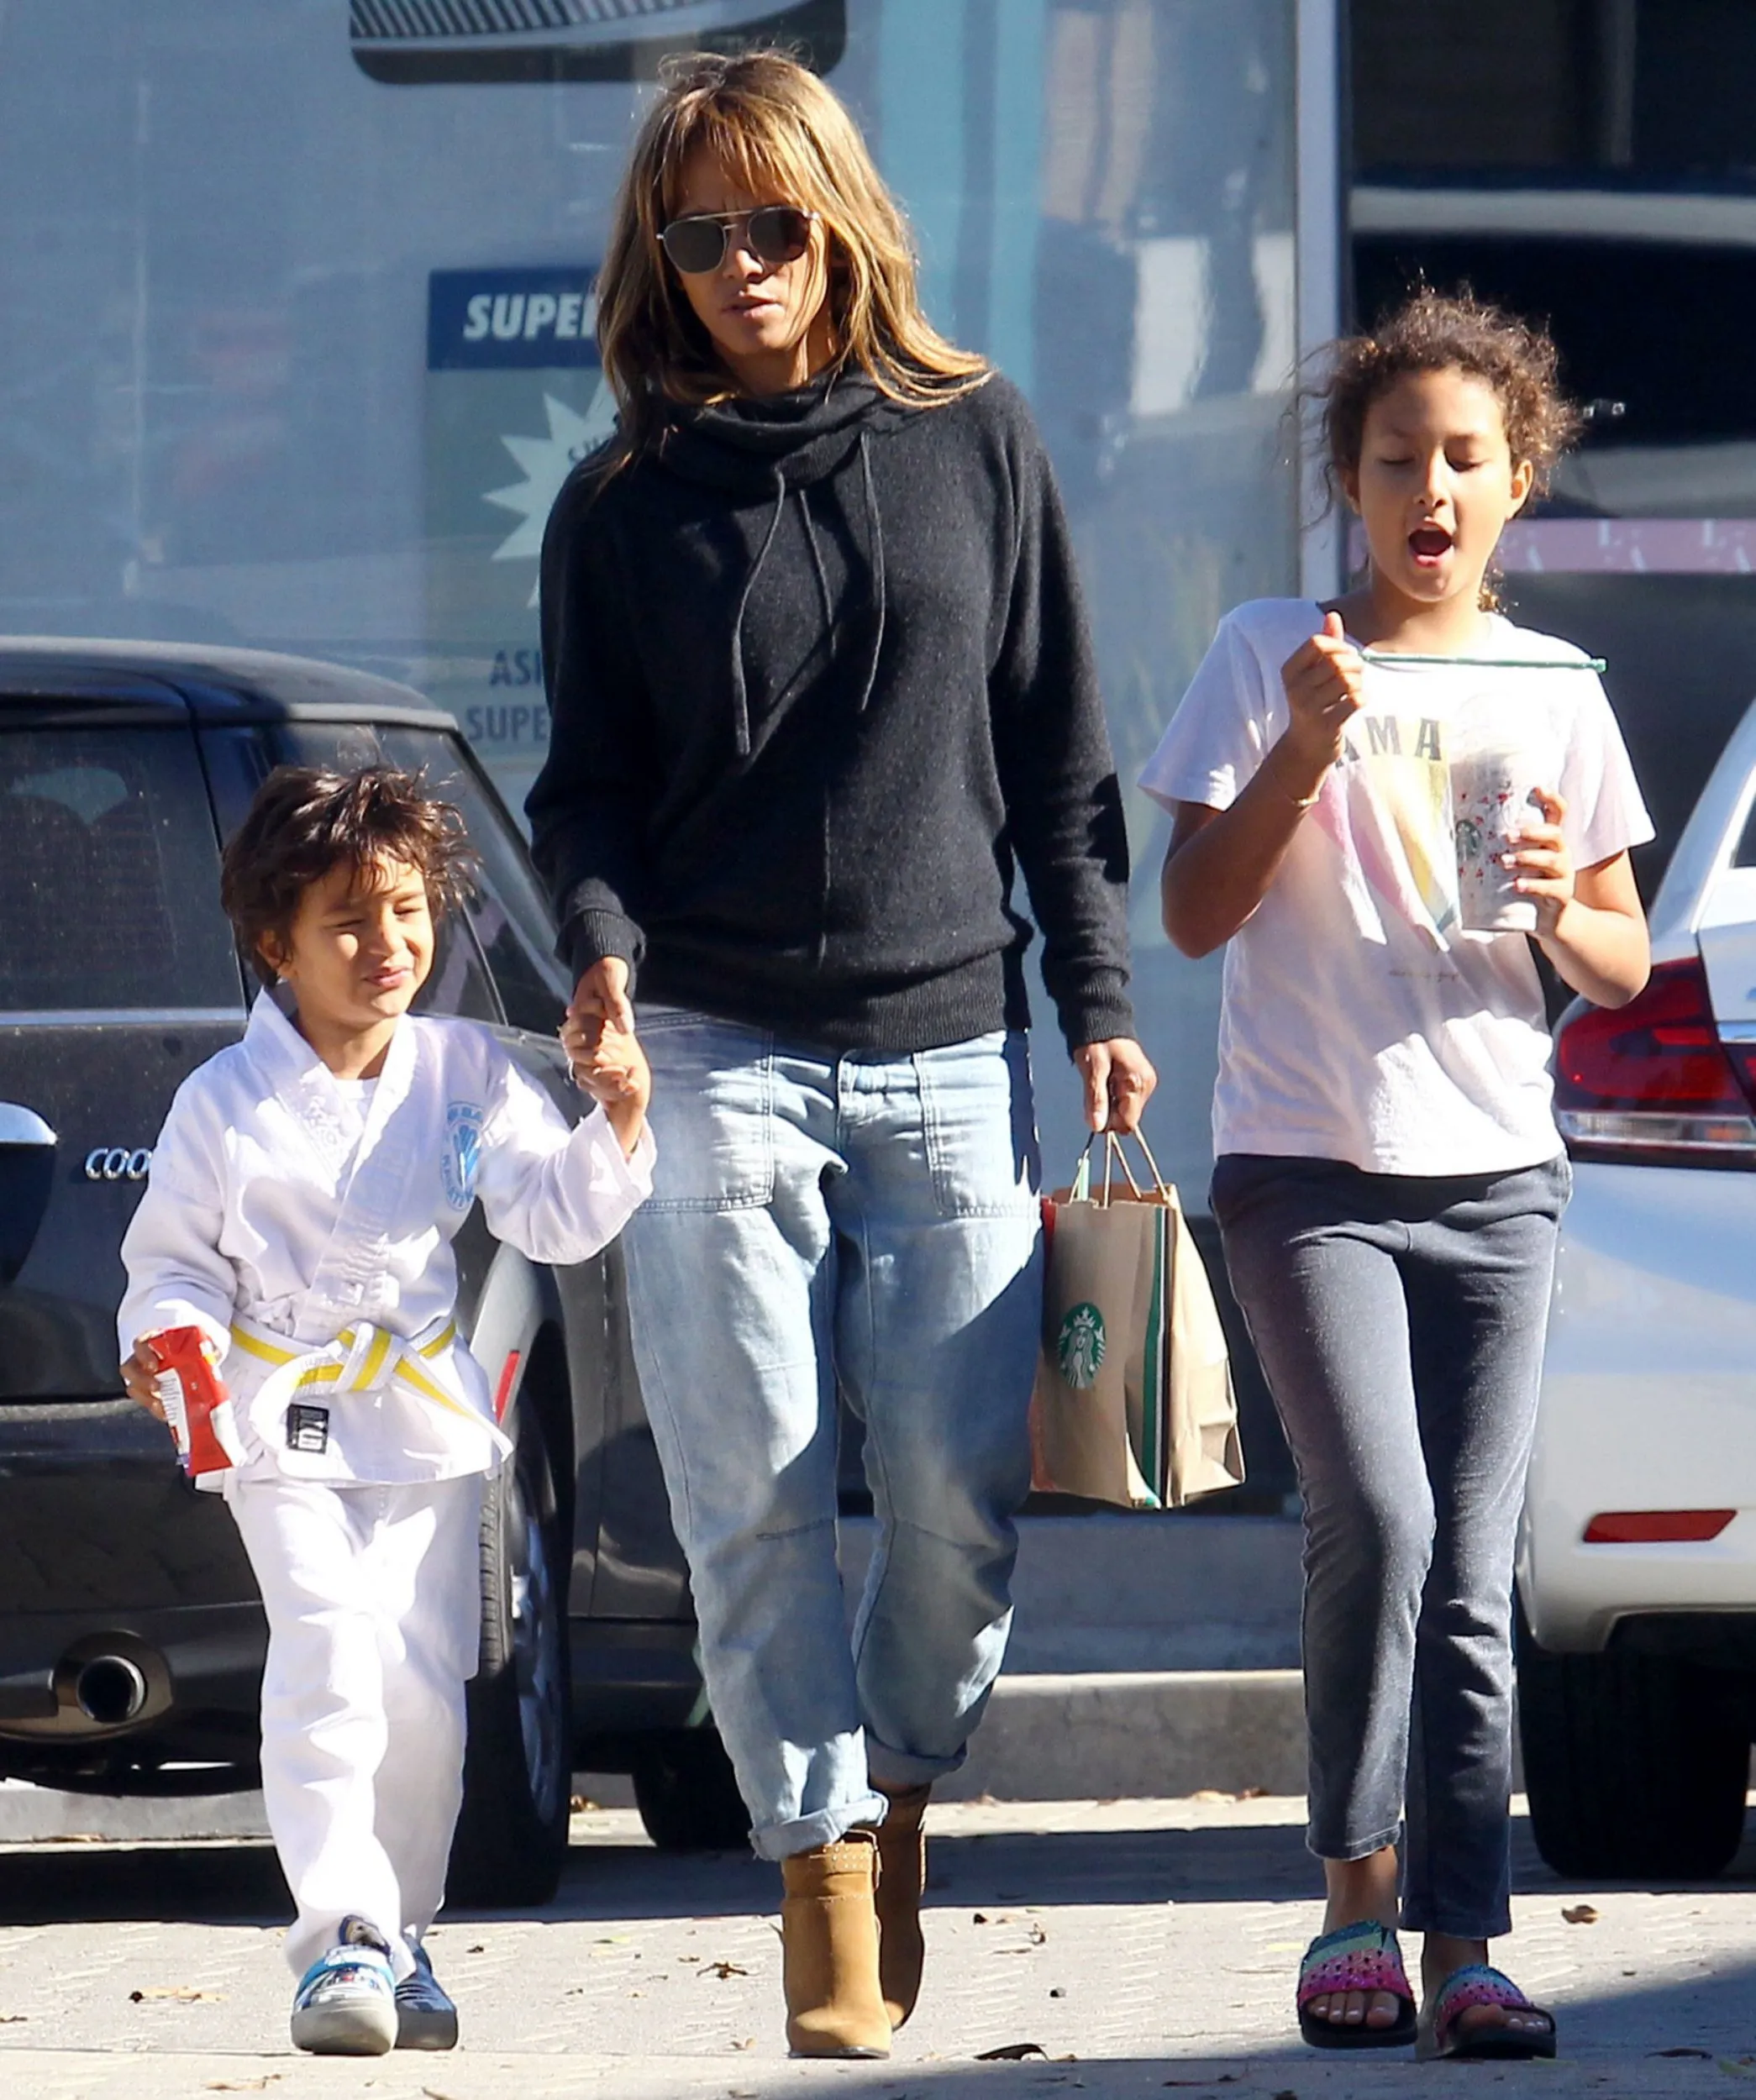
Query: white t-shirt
{"x":1360,"y":1022}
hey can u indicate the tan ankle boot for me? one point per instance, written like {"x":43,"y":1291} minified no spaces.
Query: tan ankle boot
{"x":901,"y":1880}
{"x":829,"y":1950}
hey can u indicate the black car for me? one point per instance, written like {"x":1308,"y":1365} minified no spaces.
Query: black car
{"x":131,"y":1638}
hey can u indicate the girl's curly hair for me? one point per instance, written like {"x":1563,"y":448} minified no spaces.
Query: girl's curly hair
{"x":1434,"y":331}
{"x":307,"y":820}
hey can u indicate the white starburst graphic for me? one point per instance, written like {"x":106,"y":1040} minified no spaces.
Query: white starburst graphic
{"x":545,"y":463}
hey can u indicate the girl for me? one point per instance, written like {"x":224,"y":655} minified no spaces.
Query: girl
{"x":1389,"y":1178}
{"x":820,"y":677}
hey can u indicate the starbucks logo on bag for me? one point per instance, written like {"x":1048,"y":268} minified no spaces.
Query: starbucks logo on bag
{"x":1080,"y":1347}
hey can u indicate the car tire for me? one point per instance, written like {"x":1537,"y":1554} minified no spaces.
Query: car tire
{"x":1634,"y":1766}
{"x":512,"y":1836}
{"x":687,"y":1794}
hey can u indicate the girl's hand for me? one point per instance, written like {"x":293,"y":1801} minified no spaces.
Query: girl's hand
{"x":1324,"y":680}
{"x":138,"y":1375}
{"x":1119,"y":1081}
{"x":1541,"y":864}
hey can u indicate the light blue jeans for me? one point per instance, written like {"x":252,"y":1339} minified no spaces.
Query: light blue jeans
{"x":866,"y":1221}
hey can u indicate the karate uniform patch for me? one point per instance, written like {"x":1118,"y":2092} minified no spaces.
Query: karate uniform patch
{"x":307,"y":1428}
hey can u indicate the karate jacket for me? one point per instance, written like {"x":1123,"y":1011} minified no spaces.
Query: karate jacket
{"x":306,"y":1257}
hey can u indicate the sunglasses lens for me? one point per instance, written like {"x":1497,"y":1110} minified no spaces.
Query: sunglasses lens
{"x":780,"y":233}
{"x":694,"y":245}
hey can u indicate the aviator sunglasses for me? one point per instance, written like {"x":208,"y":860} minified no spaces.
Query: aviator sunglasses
{"x":775,"y":233}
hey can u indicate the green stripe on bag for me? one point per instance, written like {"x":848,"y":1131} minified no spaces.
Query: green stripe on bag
{"x":1152,"y":1455}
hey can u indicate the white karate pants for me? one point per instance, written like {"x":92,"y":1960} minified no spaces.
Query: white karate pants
{"x":374,"y":1606}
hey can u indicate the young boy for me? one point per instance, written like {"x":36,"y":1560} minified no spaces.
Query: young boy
{"x":299,"y":1209}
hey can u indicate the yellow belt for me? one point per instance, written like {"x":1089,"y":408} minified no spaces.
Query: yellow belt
{"x":368,"y":1356}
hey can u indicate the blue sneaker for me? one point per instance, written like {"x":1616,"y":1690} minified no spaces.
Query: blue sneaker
{"x":426,"y":2018}
{"x":346,"y":2002}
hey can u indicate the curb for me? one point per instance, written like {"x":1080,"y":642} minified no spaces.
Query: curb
{"x":1104,"y":1735}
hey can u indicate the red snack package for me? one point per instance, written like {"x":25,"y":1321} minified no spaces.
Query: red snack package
{"x":196,"y":1407}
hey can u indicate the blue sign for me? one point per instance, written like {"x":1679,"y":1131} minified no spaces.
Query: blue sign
{"x":503,"y":320}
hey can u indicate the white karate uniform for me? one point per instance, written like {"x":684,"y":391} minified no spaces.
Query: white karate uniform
{"x":305,"y":1223}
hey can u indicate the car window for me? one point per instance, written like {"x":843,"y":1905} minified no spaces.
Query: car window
{"x":109,"y":873}
{"x":509,"y":912}
{"x":459,"y":983}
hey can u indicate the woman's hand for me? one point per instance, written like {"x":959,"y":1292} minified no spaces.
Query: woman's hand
{"x":1541,"y":863}
{"x":601,"y":995}
{"x":139,"y":1372}
{"x":1119,"y":1081}
{"x":1324,"y":680}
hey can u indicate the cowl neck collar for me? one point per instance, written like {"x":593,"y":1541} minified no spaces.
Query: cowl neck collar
{"x":741,"y":445}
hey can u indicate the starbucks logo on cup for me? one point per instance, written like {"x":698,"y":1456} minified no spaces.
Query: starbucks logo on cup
{"x":1080,"y":1347}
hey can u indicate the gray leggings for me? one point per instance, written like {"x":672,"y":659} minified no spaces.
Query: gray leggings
{"x":1399,"y":1322}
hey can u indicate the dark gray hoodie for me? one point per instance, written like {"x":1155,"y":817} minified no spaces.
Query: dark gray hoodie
{"x":820,"y":677}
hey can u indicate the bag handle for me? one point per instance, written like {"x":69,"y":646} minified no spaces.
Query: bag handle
{"x":1115,"y":1156}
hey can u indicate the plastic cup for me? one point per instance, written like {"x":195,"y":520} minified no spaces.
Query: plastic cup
{"x":1494,"y":784}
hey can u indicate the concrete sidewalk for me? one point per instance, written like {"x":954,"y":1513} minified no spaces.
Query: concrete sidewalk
{"x":1139,"y":1947}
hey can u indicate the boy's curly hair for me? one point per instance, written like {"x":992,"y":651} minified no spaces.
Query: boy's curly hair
{"x":1435,"y":332}
{"x":307,"y":820}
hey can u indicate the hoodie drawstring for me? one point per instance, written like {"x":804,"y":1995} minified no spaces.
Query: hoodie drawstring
{"x":875,"y":526}
{"x":875,"y":533}
{"x":740,"y":693}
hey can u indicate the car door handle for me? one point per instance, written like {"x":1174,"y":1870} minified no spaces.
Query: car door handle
{"x":21,"y":1126}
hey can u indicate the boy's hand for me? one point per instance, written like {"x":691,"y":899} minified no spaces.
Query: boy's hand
{"x":610,"y":1065}
{"x":142,"y":1368}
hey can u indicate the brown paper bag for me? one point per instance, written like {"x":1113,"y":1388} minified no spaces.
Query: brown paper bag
{"x":1133,"y":1401}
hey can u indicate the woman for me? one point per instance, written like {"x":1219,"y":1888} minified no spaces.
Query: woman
{"x":820,"y":677}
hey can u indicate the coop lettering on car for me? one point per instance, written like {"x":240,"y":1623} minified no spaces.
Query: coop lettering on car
{"x":118,"y":1163}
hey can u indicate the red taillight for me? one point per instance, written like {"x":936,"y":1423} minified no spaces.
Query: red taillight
{"x":1660,"y":1050}
{"x":1652,"y":1527}
{"x":1654,"y":1079}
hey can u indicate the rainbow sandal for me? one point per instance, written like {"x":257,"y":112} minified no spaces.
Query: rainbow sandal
{"x":1361,"y":1957}
{"x":1439,"y":2034}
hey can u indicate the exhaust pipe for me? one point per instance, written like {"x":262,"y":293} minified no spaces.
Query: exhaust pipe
{"x":110,"y":1690}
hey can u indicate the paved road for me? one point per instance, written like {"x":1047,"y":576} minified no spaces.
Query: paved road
{"x":1140,"y":1946}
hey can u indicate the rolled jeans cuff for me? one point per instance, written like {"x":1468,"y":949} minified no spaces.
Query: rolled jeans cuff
{"x":897,"y":1768}
{"x":827,"y":1826}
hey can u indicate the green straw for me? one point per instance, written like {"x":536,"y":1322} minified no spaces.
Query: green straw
{"x":1488,"y":662}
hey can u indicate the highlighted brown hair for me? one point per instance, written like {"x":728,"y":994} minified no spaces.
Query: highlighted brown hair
{"x":1434,"y":332}
{"x":784,"y":137}
{"x":307,"y":820}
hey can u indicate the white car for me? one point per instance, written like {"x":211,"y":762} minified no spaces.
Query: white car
{"x":1637,"y":1565}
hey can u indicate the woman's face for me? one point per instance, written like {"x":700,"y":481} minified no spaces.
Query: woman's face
{"x":770,"y":321}
{"x":1436,"y":483}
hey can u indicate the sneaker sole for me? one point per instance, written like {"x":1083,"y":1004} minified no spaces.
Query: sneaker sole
{"x":344,"y":2030}
{"x":426,"y":2030}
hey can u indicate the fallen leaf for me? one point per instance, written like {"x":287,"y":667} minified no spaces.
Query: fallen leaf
{"x":433,"y":2093}
{"x":749,"y":2042}
{"x":1253,"y":1794}
{"x":243,"y":2085}
{"x":1011,"y":2053}
{"x":723,"y":1969}
{"x":477,"y":1948}
{"x":1581,"y":1915}
{"x":581,"y":1804}
{"x":13,"y":2020}
{"x":1209,"y":1794}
